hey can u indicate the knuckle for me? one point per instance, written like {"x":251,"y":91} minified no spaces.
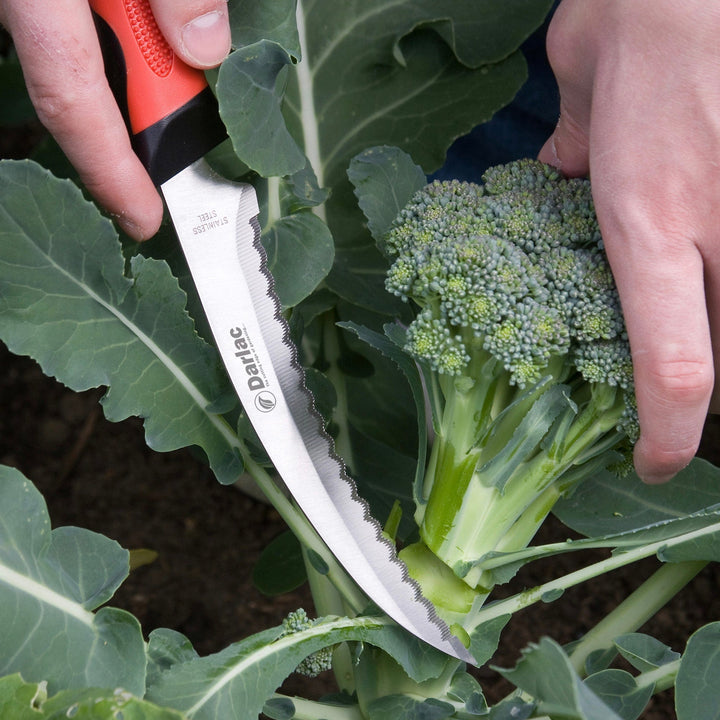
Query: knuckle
{"x":58,"y":98}
{"x":680,"y":381}
{"x":51,"y":105}
{"x":55,"y":105}
{"x":567,"y":44}
{"x":559,"y":45}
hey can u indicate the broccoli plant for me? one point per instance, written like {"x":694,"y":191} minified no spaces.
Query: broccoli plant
{"x":526,"y":358}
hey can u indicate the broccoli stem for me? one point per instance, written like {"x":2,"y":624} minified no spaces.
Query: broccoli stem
{"x":492,"y":479}
{"x":468,"y":409}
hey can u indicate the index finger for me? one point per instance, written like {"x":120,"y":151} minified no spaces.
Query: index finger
{"x":59,"y":51}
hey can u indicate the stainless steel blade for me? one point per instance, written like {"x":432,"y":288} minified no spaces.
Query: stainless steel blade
{"x":216,"y":221}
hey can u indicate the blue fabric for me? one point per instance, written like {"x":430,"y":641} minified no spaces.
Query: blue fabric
{"x":518,"y":130}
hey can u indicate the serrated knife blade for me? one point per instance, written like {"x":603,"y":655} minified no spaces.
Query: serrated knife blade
{"x":216,"y":222}
{"x":173,"y":119}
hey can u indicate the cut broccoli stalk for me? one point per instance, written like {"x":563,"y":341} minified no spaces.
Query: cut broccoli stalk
{"x":492,"y":481}
{"x":522,"y":342}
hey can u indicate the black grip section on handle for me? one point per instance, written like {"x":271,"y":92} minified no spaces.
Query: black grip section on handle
{"x":176,"y":141}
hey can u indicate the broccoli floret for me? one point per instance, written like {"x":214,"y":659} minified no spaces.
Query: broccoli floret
{"x":314,"y":664}
{"x":521,"y":337}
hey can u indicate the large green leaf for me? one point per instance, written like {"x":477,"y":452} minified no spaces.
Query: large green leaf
{"x":50,"y":581}
{"x":300,"y":254}
{"x":644,"y":652}
{"x":697,"y":691}
{"x":250,"y":89}
{"x":280,"y":567}
{"x":66,"y":301}
{"x":606,"y":504}
{"x":369,"y":72}
{"x":390,"y":346}
{"x":405,"y":707}
{"x":620,"y":692}
{"x":547,"y":676}
{"x":237,"y":681}
{"x":20,"y":700}
{"x":252,"y":21}
{"x":403,"y":73}
{"x":28,"y":701}
{"x":479,"y":32}
{"x":511,"y":709}
{"x":384,"y":479}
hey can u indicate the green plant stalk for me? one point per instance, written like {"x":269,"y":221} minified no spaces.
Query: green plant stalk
{"x":274,"y":210}
{"x":329,"y":601}
{"x":636,"y":609}
{"x":306,"y":533}
{"x":331,"y":348}
{"x":468,"y":514}
{"x":455,"y":452}
{"x":526,"y":526}
{"x":308,"y":111}
{"x":661,"y":678}
{"x":529,"y":597}
{"x":313,"y":710}
{"x":528,"y":495}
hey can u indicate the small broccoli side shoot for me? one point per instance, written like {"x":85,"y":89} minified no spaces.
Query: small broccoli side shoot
{"x":319,"y":661}
{"x":521,"y":338}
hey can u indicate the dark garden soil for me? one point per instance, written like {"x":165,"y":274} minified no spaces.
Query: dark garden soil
{"x":102,"y":476}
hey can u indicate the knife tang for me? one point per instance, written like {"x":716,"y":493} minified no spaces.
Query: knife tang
{"x":169,"y":108}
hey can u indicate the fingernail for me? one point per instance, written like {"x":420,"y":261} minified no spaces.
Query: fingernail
{"x":556,"y":162}
{"x":206,"y":39}
{"x":130,"y":228}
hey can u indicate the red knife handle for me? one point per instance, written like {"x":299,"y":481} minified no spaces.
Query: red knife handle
{"x":169,"y":109}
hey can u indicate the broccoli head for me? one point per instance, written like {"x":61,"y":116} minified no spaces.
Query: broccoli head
{"x":521,"y":338}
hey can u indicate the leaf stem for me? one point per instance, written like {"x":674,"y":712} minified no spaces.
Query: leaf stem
{"x":308,"y":112}
{"x":636,"y":609}
{"x":314,"y":710}
{"x":274,"y":210}
{"x":341,"y":414}
{"x":661,"y":678}
{"x":329,"y":601}
{"x":304,"y":531}
{"x":529,"y":597}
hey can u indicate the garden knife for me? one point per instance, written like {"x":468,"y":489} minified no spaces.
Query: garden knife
{"x":173,"y":118}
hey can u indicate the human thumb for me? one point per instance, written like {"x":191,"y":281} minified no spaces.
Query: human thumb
{"x":199,"y":31}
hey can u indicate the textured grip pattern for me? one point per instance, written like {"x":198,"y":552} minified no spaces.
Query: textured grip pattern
{"x":152,"y":44}
{"x":170,"y":110}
